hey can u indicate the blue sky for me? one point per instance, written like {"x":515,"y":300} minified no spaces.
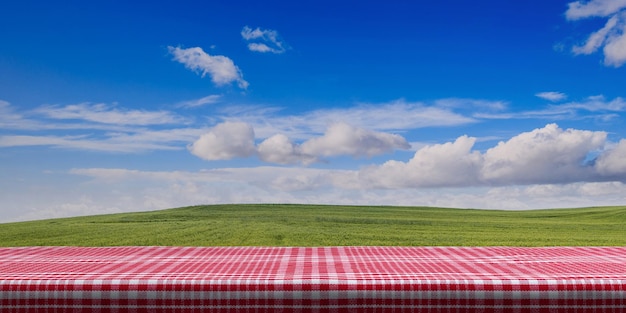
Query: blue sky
{"x":111,"y":106}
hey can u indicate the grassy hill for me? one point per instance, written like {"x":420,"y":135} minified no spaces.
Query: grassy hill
{"x":319,"y":225}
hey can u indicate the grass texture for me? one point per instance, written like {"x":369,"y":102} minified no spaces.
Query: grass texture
{"x":326,"y":225}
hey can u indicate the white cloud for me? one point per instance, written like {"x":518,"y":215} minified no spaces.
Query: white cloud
{"x":322,"y":186}
{"x":544,"y":155}
{"x":97,"y":127}
{"x":10,"y":119}
{"x":448,"y":164}
{"x":553,"y":96}
{"x":27,"y":121}
{"x":88,"y":143}
{"x":222,"y":69}
{"x":105,"y":114}
{"x":613,"y":161}
{"x":260,"y":47}
{"x":602,"y":8}
{"x":596,"y":39}
{"x":611,"y":37}
{"x":393,"y":115}
{"x":464,"y":103}
{"x":541,"y":168}
{"x":236,"y":139}
{"x":343,"y":139}
{"x":546,"y":196}
{"x":5,"y":107}
{"x":598,"y":103}
{"x":280,"y":150}
{"x":80,"y":206}
{"x":109,"y":127}
{"x":280,"y":180}
{"x":210,"y":99}
{"x":615,"y":48}
{"x":109,"y":174}
{"x":225,"y":141}
{"x":390,"y":116}
{"x":265,"y":40}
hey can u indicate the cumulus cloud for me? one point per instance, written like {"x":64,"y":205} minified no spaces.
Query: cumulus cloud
{"x":225,"y":141}
{"x":448,"y":164}
{"x":613,"y":161}
{"x":553,"y":96}
{"x":611,"y":38}
{"x":263,"y":40}
{"x":542,"y":156}
{"x":236,"y":139}
{"x":221,"y":69}
{"x":343,"y":139}
{"x":545,"y":155}
{"x":280,"y":150}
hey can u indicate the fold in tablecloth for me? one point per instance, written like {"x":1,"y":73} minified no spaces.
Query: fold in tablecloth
{"x":321,"y":279}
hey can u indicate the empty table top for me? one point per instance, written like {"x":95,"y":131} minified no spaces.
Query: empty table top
{"x":313,"y":279}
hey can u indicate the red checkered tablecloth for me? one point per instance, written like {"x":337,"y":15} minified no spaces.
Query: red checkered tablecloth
{"x":321,"y":279}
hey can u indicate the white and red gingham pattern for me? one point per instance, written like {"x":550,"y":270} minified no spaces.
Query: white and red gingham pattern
{"x":321,"y":279}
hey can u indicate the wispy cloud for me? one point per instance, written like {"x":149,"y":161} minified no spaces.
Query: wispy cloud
{"x":553,"y":96}
{"x":96,"y":127}
{"x":107,"y":114}
{"x":480,"y":104}
{"x":81,"y":143}
{"x":598,"y":103}
{"x":611,"y":38}
{"x":597,"y":107}
{"x":7,"y":112}
{"x":600,"y":8}
{"x":361,"y":130}
{"x":395,"y":116}
{"x":140,"y":140}
{"x":11,"y":119}
{"x":263,"y":40}
{"x":210,"y":99}
{"x":221,"y":69}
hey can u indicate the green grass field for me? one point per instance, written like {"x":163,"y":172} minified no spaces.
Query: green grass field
{"x":318,"y":225}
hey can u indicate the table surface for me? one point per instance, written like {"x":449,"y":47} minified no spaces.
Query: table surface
{"x":313,"y":279}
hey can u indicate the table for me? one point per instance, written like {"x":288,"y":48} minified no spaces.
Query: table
{"x":313,"y":279}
